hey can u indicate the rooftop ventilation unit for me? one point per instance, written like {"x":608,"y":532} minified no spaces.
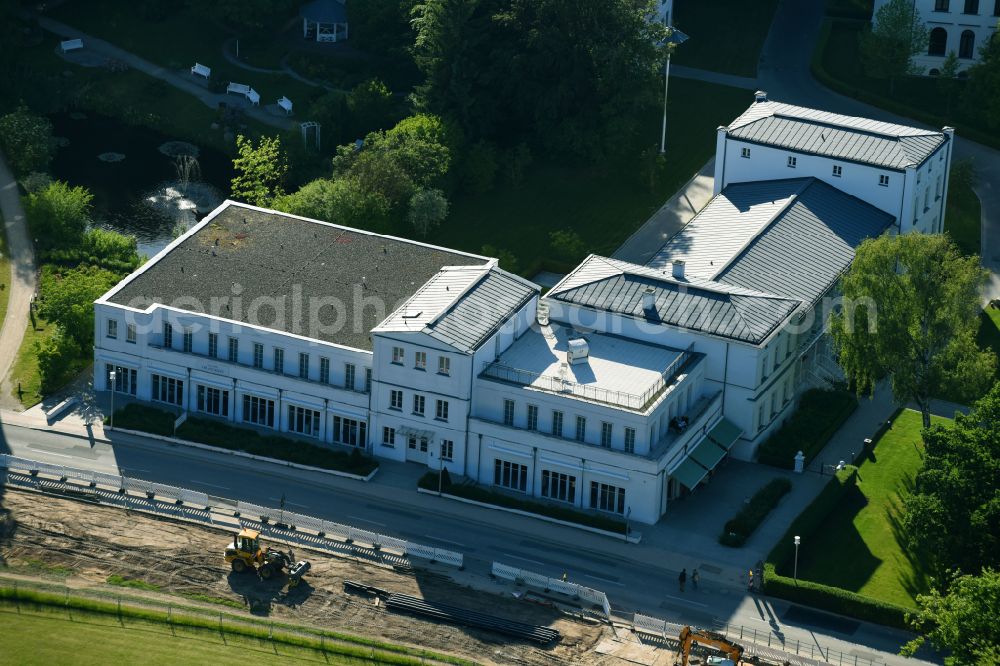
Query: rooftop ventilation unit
{"x":678,"y":269}
{"x":649,"y":299}
{"x":542,"y":314}
{"x":577,"y":351}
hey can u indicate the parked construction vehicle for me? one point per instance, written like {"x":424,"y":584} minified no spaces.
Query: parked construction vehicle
{"x":689,"y":637}
{"x":246,"y":554}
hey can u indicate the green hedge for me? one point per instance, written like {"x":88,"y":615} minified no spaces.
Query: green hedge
{"x":813,"y":516}
{"x":834,"y":599}
{"x":429,"y":481}
{"x":738,"y":529}
{"x":819,"y":415}
{"x":223,"y":435}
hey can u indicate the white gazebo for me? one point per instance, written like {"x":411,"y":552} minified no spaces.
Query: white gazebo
{"x":324,"y":20}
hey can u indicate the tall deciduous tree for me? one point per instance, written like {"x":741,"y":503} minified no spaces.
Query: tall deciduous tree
{"x":911,"y":312}
{"x":964,"y":623}
{"x":897,"y":34}
{"x":68,"y":299}
{"x":58,"y":216}
{"x":983,"y":90}
{"x":260,"y":170}
{"x":26,"y":141}
{"x":428,"y":208}
{"x":953,"y":517}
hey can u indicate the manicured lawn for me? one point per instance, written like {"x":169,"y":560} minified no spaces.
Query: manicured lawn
{"x":24,"y":372}
{"x":963,"y":220}
{"x":603,"y":203}
{"x":90,"y":639}
{"x":732,"y":45}
{"x":858,"y":548}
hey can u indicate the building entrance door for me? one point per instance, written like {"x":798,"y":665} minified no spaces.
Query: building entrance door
{"x":416,"y":448}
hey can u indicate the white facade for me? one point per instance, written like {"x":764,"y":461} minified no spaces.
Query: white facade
{"x":959,"y":26}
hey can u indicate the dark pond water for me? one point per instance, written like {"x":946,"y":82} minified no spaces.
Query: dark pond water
{"x":123,"y":189}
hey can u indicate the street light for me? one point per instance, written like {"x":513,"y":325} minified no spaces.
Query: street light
{"x":111,"y":376}
{"x":795,"y":575}
{"x":674,"y":38}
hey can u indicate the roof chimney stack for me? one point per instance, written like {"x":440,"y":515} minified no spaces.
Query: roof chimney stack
{"x":648,"y":297}
{"x":678,"y":271}
{"x":760,"y":96}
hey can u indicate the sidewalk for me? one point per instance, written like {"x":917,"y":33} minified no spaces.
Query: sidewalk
{"x":670,"y":218}
{"x":23,"y":278}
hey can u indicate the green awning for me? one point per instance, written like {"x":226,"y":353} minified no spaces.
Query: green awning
{"x":689,"y":473}
{"x":708,"y":453}
{"x":725,"y":433}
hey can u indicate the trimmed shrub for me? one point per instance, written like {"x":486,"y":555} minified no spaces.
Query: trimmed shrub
{"x":141,"y":417}
{"x":819,"y":415}
{"x":429,"y":481}
{"x":739,"y":528}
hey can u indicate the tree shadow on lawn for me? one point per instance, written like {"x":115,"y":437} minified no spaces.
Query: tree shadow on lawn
{"x":916,"y":580}
{"x":836,"y":554}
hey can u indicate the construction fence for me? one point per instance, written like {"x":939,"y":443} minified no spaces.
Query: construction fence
{"x":532,"y":579}
{"x":323,"y":529}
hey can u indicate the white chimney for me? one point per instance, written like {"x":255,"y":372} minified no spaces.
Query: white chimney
{"x":648,"y":299}
{"x":678,"y":269}
{"x":760,"y":96}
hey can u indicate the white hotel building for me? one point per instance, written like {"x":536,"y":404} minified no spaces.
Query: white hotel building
{"x":959,"y":26}
{"x":619,"y":391}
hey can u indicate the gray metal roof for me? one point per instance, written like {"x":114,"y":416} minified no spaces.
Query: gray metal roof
{"x":802,"y":253}
{"x":833,"y":135}
{"x":703,"y":305}
{"x":290,"y":264}
{"x":462,"y":305}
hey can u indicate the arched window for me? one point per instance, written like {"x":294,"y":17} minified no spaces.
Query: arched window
{"x":971,"y":6}
{"x":938,"y":43}
{"x":967,"y":44}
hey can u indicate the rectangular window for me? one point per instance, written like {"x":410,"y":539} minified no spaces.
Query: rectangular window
{"x":763,"y":367}
{"x":606,"y":435}
{"x":996,"y":7}
{"x":792,"y":162}
{"x":397,"y":355}
{"x":350,"y":431}
{"x":112,"y":328}
{"x":444,"y":365}
{"x":125,"y":379}
{"x":258,"y":411}
{"x":213,"y":345}
{"x":510,"y":475}
{"x":883,"y":180}
{"x":213,"y":401}
{"x":745,"y":152}
{"x":508,"y":412}
{"x":418,"y":405}
{"x":258,"y":355}
{"x":941,"y":5}
{"x":395,"y":399}
{"x":412,"y":443}
{"x":234,"y":350}
{"x":532,"y":417}
{"x":279,"y":360}
{"x":557,"y":423}
{"x":303,"y":365}
{"x":441,"y":410}
{"x":447,"y":449}
{"x":368,"y":380}
{"x":303,"y":421}
{"x":168,"y":335}
{"x":130,"y":328}
{"x":558,"y":486}
{"x":349,"y":371}
{"x":629,"y":440}
{"x":581,"y":428}
{"x":168,"y":390}
{"x":324,"y":369}
{"x":420,"y":360}
{"x":605,"y":497}
{"x":388,"y":436}
{"x":188,"y":341}
{"x":761,"y":417}
{"x":838,"y":170}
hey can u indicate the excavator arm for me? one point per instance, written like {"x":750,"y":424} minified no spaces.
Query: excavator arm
{"x":688,"y":637}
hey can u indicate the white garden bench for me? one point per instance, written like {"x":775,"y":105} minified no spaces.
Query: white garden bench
{"x":201,"y":70}
{"x":71,"y":45}
{"x":245,"y":90}
{"x":285,"y":104}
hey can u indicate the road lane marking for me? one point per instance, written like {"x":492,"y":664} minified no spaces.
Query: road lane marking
{"x":686,"y":601}
{"x":287,"y":503}
{"x":525,"y":559}
{"x":453,"y":543}
{"x":46,"y":452}
{"x":365,"y":520}
{"x":210,"y":485}
{"x":604,"y":580}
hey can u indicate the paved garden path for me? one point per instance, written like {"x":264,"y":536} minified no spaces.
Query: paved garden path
{"x":23,"y":279}
{"x":179,"y":80}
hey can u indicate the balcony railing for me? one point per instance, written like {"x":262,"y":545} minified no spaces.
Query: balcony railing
{"x":636,"y":402}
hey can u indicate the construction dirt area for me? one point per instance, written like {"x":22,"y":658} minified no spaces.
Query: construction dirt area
{"x":83,"y":544}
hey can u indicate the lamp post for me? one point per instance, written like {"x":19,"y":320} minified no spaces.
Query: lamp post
{"x":674,"y":37}
{"x":111,"y":376}
{"x":795,"y":575}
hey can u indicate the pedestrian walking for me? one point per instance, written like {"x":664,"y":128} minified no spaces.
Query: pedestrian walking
{"x":681,"y":579}
{"x":750,"y":581}
{"x":695,"y":578}
{"x":565,"y":577}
